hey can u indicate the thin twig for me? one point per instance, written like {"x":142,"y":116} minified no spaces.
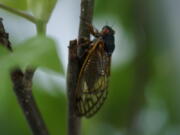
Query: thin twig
{"x":22,"y":83}
{"x":74,"y":122}
{"x":23,"y":89}
{"x":19,"y":13}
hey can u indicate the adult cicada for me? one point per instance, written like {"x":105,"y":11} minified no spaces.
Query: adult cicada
{"x":92,"y":84}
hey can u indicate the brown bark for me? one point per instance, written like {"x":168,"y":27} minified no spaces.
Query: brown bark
{"x":74,"y":122}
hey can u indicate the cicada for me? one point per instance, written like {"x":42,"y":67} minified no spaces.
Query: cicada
{"x":92,"y":84}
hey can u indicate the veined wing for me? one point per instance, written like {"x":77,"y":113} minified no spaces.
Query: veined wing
{"x":92,"y":83}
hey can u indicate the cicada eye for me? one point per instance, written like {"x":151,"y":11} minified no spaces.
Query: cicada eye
{"x":105,"y":30}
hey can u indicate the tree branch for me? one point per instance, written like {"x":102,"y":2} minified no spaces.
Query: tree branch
{"x":74,"y":122}
{"x":22,"y":83}
{"x":23,"y":89}
{"x":87,"y":7}
{"x":86,"y":17}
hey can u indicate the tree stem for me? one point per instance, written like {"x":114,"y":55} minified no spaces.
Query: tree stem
{"x":74,"y":122}
{"x":87,"y":7}
{"x":23,"y":89}
{"x":41,"y":28}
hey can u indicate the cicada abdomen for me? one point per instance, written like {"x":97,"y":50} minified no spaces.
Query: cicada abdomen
{"x":92,"y":85}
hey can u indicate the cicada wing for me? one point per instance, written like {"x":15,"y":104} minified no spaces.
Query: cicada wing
{"x":92,"y":84}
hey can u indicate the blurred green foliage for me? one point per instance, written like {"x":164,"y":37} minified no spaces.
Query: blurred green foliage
{"x":41,"y":8}
{"x":121,"y":9}
{"x":52,"y":108}
{"x":54,"y":111}
{"x":19,"y":4}
{"x":150,"y":107}
{"x":44,"y":55}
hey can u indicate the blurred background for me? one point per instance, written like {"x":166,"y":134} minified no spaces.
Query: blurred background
{"x":144,"y":86}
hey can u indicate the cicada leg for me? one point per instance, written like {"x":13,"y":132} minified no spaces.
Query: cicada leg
{"x":93,"y":30}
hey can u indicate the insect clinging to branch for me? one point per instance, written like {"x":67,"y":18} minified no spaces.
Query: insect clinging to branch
{"x":92,"y":84}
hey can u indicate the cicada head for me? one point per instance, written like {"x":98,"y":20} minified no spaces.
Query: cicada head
{"x":107,"y":30}
{"x":107,"y":34}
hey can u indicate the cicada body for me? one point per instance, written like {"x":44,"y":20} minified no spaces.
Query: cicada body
{"x":92,"y":85}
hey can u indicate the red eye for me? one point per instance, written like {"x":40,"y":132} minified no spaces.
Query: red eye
{"x":106,"y":31}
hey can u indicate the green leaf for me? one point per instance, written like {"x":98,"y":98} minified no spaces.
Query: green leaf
{"x":37,"y":52}
{"x":19,"y":4}
{"x":42,"y":9}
